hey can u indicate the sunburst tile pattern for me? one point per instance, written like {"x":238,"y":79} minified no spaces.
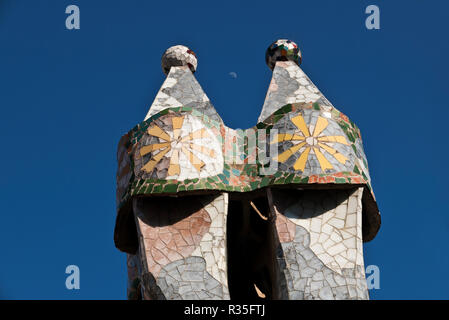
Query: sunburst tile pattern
{"x":188,"y":152}
{"x":308,"y":143}
{"x":182,"y":148}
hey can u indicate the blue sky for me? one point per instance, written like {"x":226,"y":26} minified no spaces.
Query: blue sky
{"x":67,"y":96}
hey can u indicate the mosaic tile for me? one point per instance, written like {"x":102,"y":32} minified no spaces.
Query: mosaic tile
{"x":320,"y":252}
{"x":188,"y":234}
{"x":183,"y":149}
{"x":282,"y":50}
{"x":178,"y":56}
{"x":313,"y":150}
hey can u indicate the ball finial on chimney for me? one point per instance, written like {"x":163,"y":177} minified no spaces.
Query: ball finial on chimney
{"x":178,"y":56}
{"x":282,"y":50}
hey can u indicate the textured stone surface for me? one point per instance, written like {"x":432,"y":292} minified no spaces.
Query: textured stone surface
{"x":320,"y":254}
{"x":289,"y":84}
{"x":178,"y":147}
{"x":182,"y":247}
{"x":311,"y":143}
{"x":177,"y":56}
{"x":188,"y":279}
{"x":172,"y":222}
{"x":183,"y":145}
{"x":312,"y":146}
{"x":181,"y":89}
{"x":282,"y":50}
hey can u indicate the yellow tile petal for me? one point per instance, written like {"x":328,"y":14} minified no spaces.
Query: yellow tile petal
{"x":198,"y":134}
{"x":195,"y":161}
{"x":174,"y":168}
{"x":337,"y":139}
{"x":342,"y":140}
{"x":287,"y":137}
{"x":300,"y":164}
{"x":324,"y":163}
{"x":206,"y":151}
{"x":296,"y":137}
{"x":147,"y":149}
{"x":301,"y":125}
{"x":320,"y":125}
{"x":341,"y":158}
{"x":158,"y":132}
{"x":177,"y":124}
{"x":154,"y":160}
{"x":289,"y":152}
{"x":281,"y":137}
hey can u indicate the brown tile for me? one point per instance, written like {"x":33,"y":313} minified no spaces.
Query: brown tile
{"x":187,"y":236}
{"x":166,"y":237}
{"x":159,"y":257}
